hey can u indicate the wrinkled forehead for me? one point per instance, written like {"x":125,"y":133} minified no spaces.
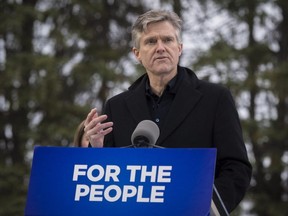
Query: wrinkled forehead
{"x":159,"y":29}
{"x":162,"y":24}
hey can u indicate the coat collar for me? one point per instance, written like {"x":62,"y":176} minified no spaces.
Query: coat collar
{"x":185,"y":100}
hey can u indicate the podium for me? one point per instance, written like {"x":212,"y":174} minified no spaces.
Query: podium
{"x":121,"y":181}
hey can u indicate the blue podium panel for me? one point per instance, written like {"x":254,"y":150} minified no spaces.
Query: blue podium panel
{"x":120,"y":181}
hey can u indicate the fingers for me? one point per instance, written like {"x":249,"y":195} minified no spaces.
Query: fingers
{"x":95,"y":138}
{"x":92,"y":114}
{"x":96,"y":130}
{"x":96,"y":127}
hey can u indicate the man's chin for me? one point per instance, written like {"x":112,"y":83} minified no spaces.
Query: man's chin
{"x":163,"y":71}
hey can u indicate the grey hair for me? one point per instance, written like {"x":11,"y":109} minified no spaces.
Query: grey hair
{"x":154,"y":16}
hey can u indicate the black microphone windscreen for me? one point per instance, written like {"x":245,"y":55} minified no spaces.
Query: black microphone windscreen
{"x":147,"y":129}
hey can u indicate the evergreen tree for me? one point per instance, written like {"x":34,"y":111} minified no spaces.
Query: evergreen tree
{"x":16,"y":103}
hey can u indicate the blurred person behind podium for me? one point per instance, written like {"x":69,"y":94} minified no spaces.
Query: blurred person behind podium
{"x":190,"y":113}
{"x":80,"y":138}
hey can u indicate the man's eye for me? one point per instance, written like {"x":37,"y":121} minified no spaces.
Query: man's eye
{"x":151,"y":41}
{"x":168,"y":40}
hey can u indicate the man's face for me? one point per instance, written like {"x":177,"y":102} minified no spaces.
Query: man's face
{"x":159,"y":49}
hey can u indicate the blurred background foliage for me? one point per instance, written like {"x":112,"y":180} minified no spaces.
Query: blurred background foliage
{"x":60,"y":58}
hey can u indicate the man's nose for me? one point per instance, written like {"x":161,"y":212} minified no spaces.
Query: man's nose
{"x":160,"y":46}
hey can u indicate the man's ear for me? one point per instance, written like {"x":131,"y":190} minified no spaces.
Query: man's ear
{"x":180,"y":47}
{"x":136,"y":53}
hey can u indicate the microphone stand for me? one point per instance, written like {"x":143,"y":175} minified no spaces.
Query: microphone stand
{"x":217,"y":206}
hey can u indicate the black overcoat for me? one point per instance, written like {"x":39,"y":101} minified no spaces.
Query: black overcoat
{"x":202,"y":115}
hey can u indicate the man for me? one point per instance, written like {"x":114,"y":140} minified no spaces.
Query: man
{"x":189,"y":112}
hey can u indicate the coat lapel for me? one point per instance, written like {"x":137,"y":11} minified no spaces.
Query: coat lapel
{"x":136,"y":103}
{"x":185,"y":100}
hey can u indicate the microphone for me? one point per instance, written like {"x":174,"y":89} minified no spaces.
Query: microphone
{"x":145,"y":135}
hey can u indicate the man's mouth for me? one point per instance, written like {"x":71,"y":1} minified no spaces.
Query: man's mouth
{"x":161,"y":58}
